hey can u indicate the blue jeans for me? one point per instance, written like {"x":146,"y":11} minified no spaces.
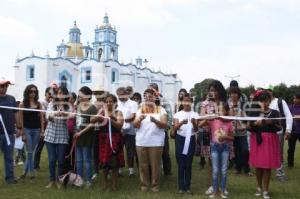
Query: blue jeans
{"x":56,"y":153}
{"x":219,"y":159}
{"x":184,"y":162}
{"x":8,"y":152}
{"x":84,"y":154}
{"x":32,"y":138}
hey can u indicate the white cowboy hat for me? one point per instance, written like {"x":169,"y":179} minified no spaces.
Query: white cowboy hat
{"x":98,"y":88}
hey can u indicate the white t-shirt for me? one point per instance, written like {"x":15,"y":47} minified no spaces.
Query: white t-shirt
{"x":128,"y":108}
{"x":289,"y":118}
{"x":185,"y":128}
{"x":149,"y":135}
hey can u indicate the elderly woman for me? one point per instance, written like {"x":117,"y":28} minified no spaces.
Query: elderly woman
{"x":150,"y":121}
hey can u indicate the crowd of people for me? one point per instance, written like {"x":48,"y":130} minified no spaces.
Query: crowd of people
{"x":87,"y":136}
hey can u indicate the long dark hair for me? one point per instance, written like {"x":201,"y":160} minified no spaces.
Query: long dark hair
{"x":220,"y":89}
{"x":26,"y":95}
{"x":56,"y":100}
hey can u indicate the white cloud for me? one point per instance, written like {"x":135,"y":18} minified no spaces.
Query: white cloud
{"x":129,"y":12}
{"x":259,"y":64}
{"x":15,"y":29}
{"x":249,"y":7}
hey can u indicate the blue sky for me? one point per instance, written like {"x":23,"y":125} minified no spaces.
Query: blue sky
{"x":258,"y":40}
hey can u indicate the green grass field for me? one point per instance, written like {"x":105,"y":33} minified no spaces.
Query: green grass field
{"x":240,"y":187}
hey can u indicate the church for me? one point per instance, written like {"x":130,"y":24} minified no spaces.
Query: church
{"x":95,"y":65}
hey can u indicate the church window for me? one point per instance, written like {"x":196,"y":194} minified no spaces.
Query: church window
{"x":30,"y":73}
{"x":112,"y":53}
{"x":86,"y":75}
{"x":64,"y":81}
{"x":99,"y":54}
{"x":114,"y":76}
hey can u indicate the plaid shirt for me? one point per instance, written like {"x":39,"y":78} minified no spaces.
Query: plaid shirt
{"x":57,"y":129}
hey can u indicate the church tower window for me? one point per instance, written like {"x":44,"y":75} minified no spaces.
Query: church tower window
{"x":99,"y":54}
{"x":30,"y":73}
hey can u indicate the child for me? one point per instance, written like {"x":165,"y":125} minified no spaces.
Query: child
{"x":265,"y":150}
{"x":221,"y":139}
{"x":185,"y":126}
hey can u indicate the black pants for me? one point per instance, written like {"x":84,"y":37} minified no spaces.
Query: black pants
{"x":166,"y":156}
{"x":38,"y":152}
{"x":292,"y":145}
{"x":241,"y":154}
{"x":184,"y":162}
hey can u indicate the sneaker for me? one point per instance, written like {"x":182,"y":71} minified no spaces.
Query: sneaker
{"x":180,"y":192}
{"x":189,"y":192}
{"x":144,"y":188}
{"x":226,"y":193}
{"x":212,"y":195}
{"x":266,"y":195}
{"x":280,"y":171}
{"x":58,"y":185}
{"x":209,"y":191}
{"x":94,"y":176}
{"x":12,"y":181}
{"x":258,"y":192}
{"x":155,"y":189}
{"x":282,"y":178}
{"x":88,"y":184}
{"x":23,"y":176}
{"x":20,"y":163}
{"x":50,"y":185}
{"x":222,"y":195}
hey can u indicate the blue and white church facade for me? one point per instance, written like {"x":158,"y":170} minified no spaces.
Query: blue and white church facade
{"x":77,"y":65}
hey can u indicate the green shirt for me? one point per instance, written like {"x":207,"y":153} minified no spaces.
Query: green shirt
{"x":86,"y":139}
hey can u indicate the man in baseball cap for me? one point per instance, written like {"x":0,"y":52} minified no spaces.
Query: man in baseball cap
{"x":7,"y":129}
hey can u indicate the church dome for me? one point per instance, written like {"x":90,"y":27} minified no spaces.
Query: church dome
{"x":75,"y":50}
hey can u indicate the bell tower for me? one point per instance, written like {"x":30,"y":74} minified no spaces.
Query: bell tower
{"x":105,"y":45}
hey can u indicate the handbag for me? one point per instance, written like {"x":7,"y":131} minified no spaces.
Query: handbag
{"x":71,"y":178}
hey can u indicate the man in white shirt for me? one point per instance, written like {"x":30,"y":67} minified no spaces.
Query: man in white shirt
{"x":280,"y":105}
{"x":128,"y":109}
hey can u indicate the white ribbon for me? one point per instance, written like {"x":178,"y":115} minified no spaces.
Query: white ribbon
{"x":44,"y":111}
{"x":5,"y":131}
{"x":187,"y":137}
{"x":208,"y":116}
{"x":187,"y":140}
{"x":110,"y":135}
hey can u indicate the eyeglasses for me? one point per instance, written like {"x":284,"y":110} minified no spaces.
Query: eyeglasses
{"x":4,"y":86}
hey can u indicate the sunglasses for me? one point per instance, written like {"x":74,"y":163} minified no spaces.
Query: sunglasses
{"x":33,"y":91}
{"x":4,"y":86}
